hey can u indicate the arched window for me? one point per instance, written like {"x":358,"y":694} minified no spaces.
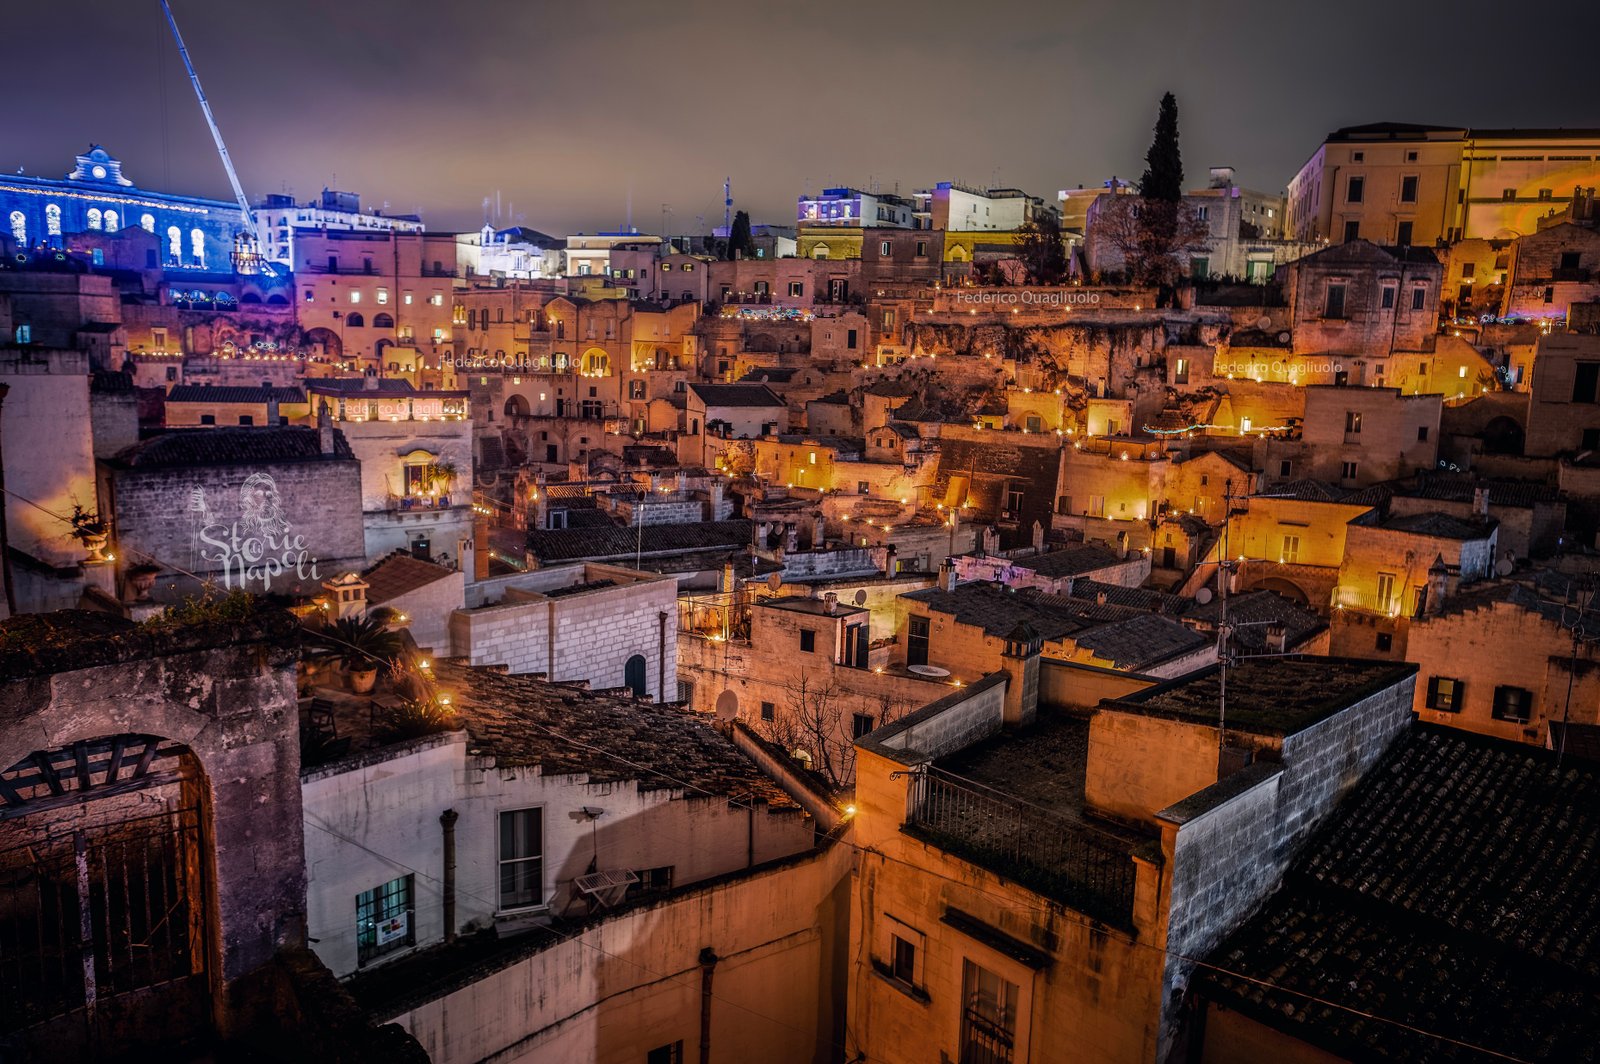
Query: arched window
{"x":175,"y":243}
{"x":52,"y":220}
{"x":147,"y":222}
{"x":595,"y":362}
{"x":94,"y":217}
{"x":382,"y":321}
{"x":354,"y":319}
{"x":197,"y":241}
{"x":635,"y":672}
{"x":112,"y":221}
{"x":19,"y":228}
{"x":561,"y":360}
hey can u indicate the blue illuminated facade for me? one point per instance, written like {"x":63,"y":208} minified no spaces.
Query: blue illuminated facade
{"x":193,"y":233}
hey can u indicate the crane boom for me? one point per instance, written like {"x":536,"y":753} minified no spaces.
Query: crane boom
{"x":216,"y":134}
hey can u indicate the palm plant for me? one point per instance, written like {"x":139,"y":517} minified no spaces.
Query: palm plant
{"x":359,"y":644}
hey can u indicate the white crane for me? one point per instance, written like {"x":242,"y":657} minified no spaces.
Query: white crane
{"x":216,"y":134}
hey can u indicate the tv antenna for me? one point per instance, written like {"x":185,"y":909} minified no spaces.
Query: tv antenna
{"x":1585,"y":629}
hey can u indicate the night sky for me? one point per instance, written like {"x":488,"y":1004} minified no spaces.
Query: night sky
{"x":571,"y":109}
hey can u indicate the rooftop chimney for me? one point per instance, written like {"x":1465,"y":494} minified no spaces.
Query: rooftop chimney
{"x":1038,"y":537}
{"x":830,"y":602}
{"x":947,"y":575}
{"x":1438,"y":585}
{"x":1277,"y":637}
{"x":1480,"y":502}
{"x":325,"y":428}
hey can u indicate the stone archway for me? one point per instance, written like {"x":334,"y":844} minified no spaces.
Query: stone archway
{"x":1281,"y":586}
{"x":1503,"y":435}
{"x":324,"y":343}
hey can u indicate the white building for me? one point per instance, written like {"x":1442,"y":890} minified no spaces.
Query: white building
{"x":589,"y":254}
{"x":961,"y":208}
{"x":848,"y":207}
{"x":518,"y":253}
{"x":279,"y":216}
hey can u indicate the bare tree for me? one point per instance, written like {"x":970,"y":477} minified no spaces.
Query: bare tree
{"x":1149,"y":235}
{"x":816,"y":716}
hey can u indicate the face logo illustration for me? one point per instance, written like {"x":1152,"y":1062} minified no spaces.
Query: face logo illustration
{"x":258,"y":547}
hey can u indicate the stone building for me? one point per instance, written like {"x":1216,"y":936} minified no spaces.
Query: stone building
{"x":1564,"y":407}
{"x":151,"y":844}
{"x":262,"y":509}
{"x":1360,"y":436}
{"x":1016,"y":859}
{"x":1360,"y":298}
{"x":363,"y":291}
{"x":1550,"y":270}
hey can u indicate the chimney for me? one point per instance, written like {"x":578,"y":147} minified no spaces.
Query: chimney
{"x":991,"y":540}
{"x":1480,"y":503}
{"x":325,"y":428}
{"x":830,"y":602}
{"x":1099,"y":598}
{"x":726,"y":584}
{"x":1438,"y":585}
{"x":947,"y":575}
{"x":1038,"y":537}
{"x":1277,"y":637}
{"x":1020,"y":660}
{"x":369,"y":383}
{"x":1122,"y":546}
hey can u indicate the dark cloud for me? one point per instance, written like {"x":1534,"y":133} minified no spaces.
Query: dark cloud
{"x":572,"y":111}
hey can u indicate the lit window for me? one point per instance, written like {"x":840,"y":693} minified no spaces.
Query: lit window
{"x":383,"y":297}
{"x":521,"y":858}
{"x":384,"y":920}
{"x":147,"y":222}
{"x":355,"y":295}
{"x":437,"y":299}
{"x":112,"y":221}
{"x":52,"y":220}
{"x":175,"y":243}
{"x":406,"y":299}
{"x":94,"y":217}
{"x":24,"y":334}
{"x":19,"y":228}
{"x":197,"y":244}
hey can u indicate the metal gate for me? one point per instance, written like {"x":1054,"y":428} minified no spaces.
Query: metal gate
{"x":95,"y":919}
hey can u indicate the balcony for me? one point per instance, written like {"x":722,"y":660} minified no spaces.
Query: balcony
{"x":422,"y":503}
{"x":1058,"y":856}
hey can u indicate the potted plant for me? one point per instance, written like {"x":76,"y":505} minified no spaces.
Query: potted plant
{"x":441,"y":477}
{"x":362,"y":646}
{"x":89,"y":529}
{"x":142,"y":578}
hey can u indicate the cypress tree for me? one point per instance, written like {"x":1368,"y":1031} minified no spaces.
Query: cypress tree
{"x":1163,"y":175}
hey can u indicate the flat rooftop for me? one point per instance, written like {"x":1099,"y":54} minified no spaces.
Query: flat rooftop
{"x":1267,"y":696}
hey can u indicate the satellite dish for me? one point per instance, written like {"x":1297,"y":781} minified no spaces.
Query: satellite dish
{"x":861,"y":597}
{"x":1504,"y":566}
{"x":1203,"y":596}
{"x":1283,"y":337}
{"x":931,"y":671}
{"x":727,"y":705}
{"x":1264,"y":323}
{"x":774,"y":581}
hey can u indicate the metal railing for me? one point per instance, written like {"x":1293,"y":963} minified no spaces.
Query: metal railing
{"x":1058,"y":856}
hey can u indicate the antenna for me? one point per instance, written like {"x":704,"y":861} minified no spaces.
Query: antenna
{"x":1581,"y":634}
{"x":727,"y":204}
{"x":216,"y":134}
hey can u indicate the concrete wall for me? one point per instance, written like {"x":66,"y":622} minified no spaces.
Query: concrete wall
{"x":49,"y":452}
{"x":378,"y":819}
{"x":632,"y":983}
{"x":1139,"y":765}
{"x":430,"y":608}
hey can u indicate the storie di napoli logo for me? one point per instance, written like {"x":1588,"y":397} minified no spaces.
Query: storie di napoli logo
{"x":258,"y":547}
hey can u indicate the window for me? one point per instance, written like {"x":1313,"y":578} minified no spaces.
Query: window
{"x":1402,"y":234}
{"x":768,"y":711}
{"x":1199,"y":267}
{"x":1466,"y":269}
{"x":917,"y":642}
{"x":1419,"y":296}
{"x":1352,"y":231}
{"x":19,"y":228}
{"x":383,"y":920}
{"x":1285,"y":467}
{"x":355,"y":320}
{"x":208,"y":419}
{"x":1408,"y":188}
{"x":1570,"y":260}
{"x":797,"y":289}
{"x":988,"y":1016}
{"x":1411,"y":156}
{"x":1355,"y":189}
{"x":1444,"y":694}
{"x":885,"y":248}
{"x":1334,"y":306}
{"x":1512,"y":704}
{"x":1203,"y":213}
{"x":671,"y":1053}
{"x":383,"y":297}
{"x":437,"y":299}
{"x":1388,"y":297}
{"x":175,"y":243}
{"x":147,"y":222}
{"x":808,"y":640}
{"x":922,"y":248}
{"x":521,"y":858}
{"x":1013,"y":500}
{"x":1291,"y":550}
{"x":861,"y":724}
{"x":382,"y":321}
{"x":903,"y":960}
{"x":1347,"y":471}
{"x":1352,"y":423}
{"x":247,"y":419}
{"x":112,"y":222}
{"x":1422,"y":434}
{"x":1385,"y":591}
{"x":197,"y":245}
{"x":52,"y":220}
{"x":1385,"y":642}
{"x":686,"y":692}
{"x":93,"y":217}
{"x":850,"y":339}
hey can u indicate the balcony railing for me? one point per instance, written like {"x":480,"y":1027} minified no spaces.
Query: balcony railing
{"x":1059,"y":857}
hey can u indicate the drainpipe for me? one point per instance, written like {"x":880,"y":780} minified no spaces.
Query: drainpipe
{"x":661,"y":658}
{"x":447,"y":820}
{"x":708,"y":965}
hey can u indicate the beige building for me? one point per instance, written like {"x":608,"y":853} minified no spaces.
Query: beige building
{"x":1396,"y":183}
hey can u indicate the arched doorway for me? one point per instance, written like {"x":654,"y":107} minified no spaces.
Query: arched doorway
{"x":1502,"y":435}
{"x":516,"y":405}
{"x":635,"y":674}
{"x":324,"y":343}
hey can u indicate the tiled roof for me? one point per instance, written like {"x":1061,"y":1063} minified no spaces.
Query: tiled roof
{"x":519,"y":720}
{"x":1141,"y":642}
{"x":226,"y":393}
{"x":1451,"y":893}
{"x":1449,"y":487}
{"x":386,"y":387}
{"x":1251,"y":613}
{"x":1070,"y":561}
{"x":232,"y":446}
{"x":577,"y":544}
{"x":750,"y":395}
{"x":400,"y":574}
{"x":774,"y":374}
{"x":111,"y":382}
{"x":1317,"y":491}
{"x":1442,"y":526}
{"x":1134,"y":598}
